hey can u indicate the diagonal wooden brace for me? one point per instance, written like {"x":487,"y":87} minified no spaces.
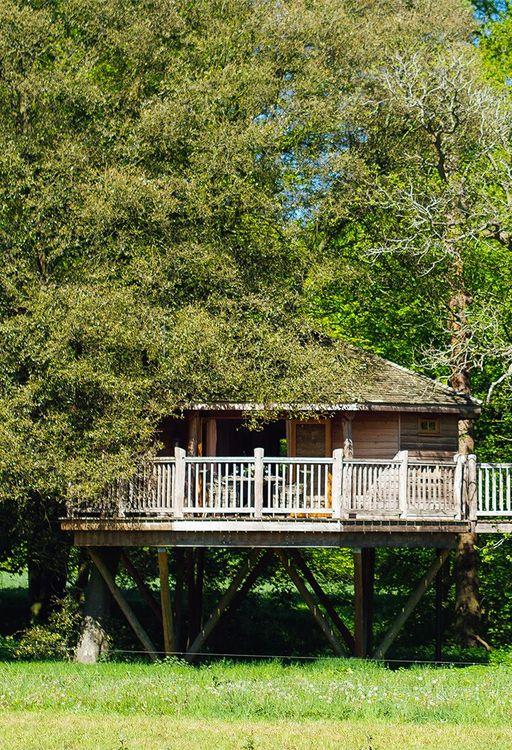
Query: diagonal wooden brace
{"x":308,"y":598}
{"x":142,"y":587}
{"x":323,"y":599}
{"x":410,"y":604}
{"x":123,"y":604}
{"x":224,"y":603}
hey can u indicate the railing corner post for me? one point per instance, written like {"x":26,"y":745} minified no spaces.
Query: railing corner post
{"x":337,"y":478}
{"x":258,"y":482}
{"x":459,"y":481}
{"x":403,"y":488}
{"x":179,"y":482}
{"x":472,"y":488}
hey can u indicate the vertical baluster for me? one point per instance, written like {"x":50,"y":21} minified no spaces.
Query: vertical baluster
{"x":217,"y":500}
{"x":214,"y":475}
{"x":311,"y":486}
{"x":161,"y":494}
{"x":250,"y":480}
{"x":507,"y":482}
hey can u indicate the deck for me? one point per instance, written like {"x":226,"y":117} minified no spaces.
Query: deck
{"x":273,"y":501}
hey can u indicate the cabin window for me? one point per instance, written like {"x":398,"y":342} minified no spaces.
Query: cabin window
{"x":428,"y":426}
{"x":309,"y":439}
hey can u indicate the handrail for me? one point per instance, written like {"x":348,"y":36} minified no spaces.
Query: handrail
{"x":259,"y":486}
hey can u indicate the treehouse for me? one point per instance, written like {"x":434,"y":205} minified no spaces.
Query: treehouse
{"x":383,"y":470}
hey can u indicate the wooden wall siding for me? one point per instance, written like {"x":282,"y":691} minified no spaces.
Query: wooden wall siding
{"x":441,"y":446}
{"x":376,"y":435}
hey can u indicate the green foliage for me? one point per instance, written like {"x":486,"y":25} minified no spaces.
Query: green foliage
{"x":54,"y":640}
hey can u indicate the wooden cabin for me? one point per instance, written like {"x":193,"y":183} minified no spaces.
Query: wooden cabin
{"x":383,"y":470}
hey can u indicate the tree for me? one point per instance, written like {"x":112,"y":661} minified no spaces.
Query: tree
{"x":429,"y":166}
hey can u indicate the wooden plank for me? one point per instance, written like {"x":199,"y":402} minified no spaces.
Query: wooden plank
{"x":410,"y":605}
{"x":223,"y":604}
{"x":165,"y":598}
{"x":142,"y":587}
{"x":274,"y":535}
{"x":123,"y":605}
{"x":313,"y":607}
{"x":323,"y":599}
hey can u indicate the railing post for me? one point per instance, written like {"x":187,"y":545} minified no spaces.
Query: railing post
{"x":472,"y":489}
{"x":403,"y":457}
{"x":458,"y":485}
{"x":119,"y":490}
{"x":258,"y":482}
{"x":336,"y":490}
{"x":179,"y":482}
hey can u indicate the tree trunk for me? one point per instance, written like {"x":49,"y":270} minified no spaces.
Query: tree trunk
{"x":47,"y":558}
{"x":94,"y":639}
{"x":467,"y":606}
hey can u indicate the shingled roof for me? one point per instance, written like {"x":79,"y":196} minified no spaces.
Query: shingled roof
{"x":391,"y":385}
{"x":381,"y":386}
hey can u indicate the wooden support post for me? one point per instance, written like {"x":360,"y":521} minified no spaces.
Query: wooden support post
{"x":211,"y":437}
{"x":364,"y":573}
{"x":439,"y":584}
{"x":304,"y":592}
{"x":195,"y":576}
{"x":123,"y":604}
{"x":194,"y":447}
{"x":411,"y":604}
{"x":348,"y":443}
{"x":179,"y":560}
{"x":323,"y":599}
{"x":165,"y":598}
{"x":223,"y":604}
{"x":142,"y":587}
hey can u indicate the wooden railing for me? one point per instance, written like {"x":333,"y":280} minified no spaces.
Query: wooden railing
{"x":262,"y":487}
{"x":494,"y":490}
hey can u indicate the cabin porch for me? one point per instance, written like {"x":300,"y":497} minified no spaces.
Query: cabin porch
{"x":359,"y":481}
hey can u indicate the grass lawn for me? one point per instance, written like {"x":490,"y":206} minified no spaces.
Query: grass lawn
{"x":327,"y":704}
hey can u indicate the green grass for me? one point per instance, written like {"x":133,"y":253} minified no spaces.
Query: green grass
{"x":329,"y":703}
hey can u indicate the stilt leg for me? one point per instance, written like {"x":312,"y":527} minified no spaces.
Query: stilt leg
{"x":165,"y":598}
{"x":178,"y":599}
{"x":364,"y":570}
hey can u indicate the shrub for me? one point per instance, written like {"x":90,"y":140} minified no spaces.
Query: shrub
{"x":54,"y":640}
